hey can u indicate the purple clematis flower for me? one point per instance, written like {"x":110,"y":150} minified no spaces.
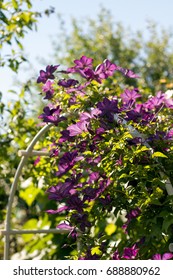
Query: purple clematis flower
{"x":37,"y":160}
{"x":119,"y":161}
{"x":130,"y":253}
{"x":130,"y":216}
{"x":82,"y":65}
{"x":95,"y":112}
{"x":81,"y":220}
{"x":155,"y":101}
{"x":85,"y":116}
{"x":83,"y":62}
{"x":85,"y":68}
{"x":59,"y":210}
{"x":116,"y":255}
{"x":168,"y":102}
{"x":98,"y":134}
{"x":54,"y":152}
{"x":79,"y":90}
{"x":94,"y":176}
{"x":108,"y":108}
{"x":67,"y":227}
{"x":92,"y":193}
{"x":78,"y":128}
{"x":102,"y":71}
{"x":105,"y":70}
{"x":169,"y":134}
{"x":166,"y":256}
{"x":130,"y":96}
{"x":48,"y":74}
{"x":133,"y":115}
{"x":133,"y":214}
{"x":67,"y":83}
{"x":127,"y":72}
{"x":139,"y":108}
{"x":72,"y":100}
{"x":47,"y":88}
{"x":109,"y":68}
{"x":51,"y":115}
{"x":94,"y":161}
{"x":140,"y":113}
{"x":61,"y":191}
{"x":65,"y":136}
{"x":67,"y":161}
{"x":87,"y":73}
{"x":106,"y":201}
{"x":75,"y":203}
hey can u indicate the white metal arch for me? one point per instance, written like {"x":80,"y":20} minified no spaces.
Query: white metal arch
{"x":8,"y":231}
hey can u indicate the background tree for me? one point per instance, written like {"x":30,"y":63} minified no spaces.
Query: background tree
{"x":151,"y":55}
{"x":16,"y":18}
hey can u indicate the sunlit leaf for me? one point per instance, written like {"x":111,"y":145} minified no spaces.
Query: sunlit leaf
{"x":158,"y":154}
{"x":110,"y":229}
{"x":96,"y":250}
{"x":29,"y":194}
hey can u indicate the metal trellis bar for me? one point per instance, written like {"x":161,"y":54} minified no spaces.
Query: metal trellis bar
{"x":8,"y":231}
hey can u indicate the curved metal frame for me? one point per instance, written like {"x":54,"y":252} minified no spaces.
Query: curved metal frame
{"x":8,"y":231}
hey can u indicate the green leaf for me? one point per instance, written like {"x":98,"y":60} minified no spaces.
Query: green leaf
{"x":29,"y":195}
{"x":3,"y":17}
{"x":167,"y":223}
{"x":15,"y":4}
{"x":124,"y":175}
{"x":29,"y":4}
{"x":31,"y":224}
{"x":142,"y":149}
{"x":26,"y":16}
{"x":19,"y":43}
{"x":159,"y":154}
{"x":110,"y":229}
{"x":96,"y":250}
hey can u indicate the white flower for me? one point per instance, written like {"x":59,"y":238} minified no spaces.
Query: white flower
{"x":168,"y":94}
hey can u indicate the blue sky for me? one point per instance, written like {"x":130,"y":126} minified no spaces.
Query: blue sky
{"x":132,"y":13}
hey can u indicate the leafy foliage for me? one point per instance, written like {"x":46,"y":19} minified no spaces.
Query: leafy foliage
{"x":17,"y":18}
{"x":111,"y":178}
